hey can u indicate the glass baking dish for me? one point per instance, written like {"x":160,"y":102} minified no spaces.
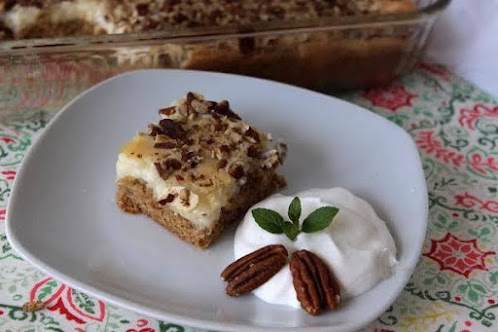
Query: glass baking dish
{"x":325,"y":53}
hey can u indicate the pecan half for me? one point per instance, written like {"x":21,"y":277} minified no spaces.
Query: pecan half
{"x":253,"y":270}
{"x":315,"y":285}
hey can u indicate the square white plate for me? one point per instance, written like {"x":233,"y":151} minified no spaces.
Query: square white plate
{"x":63,"y":219}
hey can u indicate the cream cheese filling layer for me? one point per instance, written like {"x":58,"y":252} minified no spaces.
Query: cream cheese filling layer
{"x":202,"y":208}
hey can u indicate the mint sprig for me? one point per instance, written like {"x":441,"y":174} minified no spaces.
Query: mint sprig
{"x":271,"y":221}
{"x":294,"y":212}
{"x":319,"y":219}
{"x":268,"y":220}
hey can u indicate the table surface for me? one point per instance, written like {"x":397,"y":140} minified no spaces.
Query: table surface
{"x":455,"y":285}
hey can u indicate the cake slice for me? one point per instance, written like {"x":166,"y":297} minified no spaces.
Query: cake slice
{"x":198,"y":169}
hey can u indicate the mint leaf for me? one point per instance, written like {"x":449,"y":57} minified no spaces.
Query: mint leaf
{"x":319,"y":219}
{"x":268,"y":220}
{"x":291,"y":230}
{"x":295,"y":210}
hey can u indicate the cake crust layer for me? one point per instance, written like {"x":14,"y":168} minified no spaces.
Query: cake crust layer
{"x":133,"y":196}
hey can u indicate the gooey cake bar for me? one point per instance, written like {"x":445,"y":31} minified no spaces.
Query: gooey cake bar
{"x":20,"y":19}
{"x":198,"y":169}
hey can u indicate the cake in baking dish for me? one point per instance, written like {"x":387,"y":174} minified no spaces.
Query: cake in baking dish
{"x":349,"y":55}
{"x":20,"y":19}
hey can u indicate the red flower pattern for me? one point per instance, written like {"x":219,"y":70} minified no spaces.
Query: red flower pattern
{"x":428,"y":143}
{"x":469,"y":201}
{"x":392,"y":97}
{"x":9,"y":174}
{"x":142,"y":327}
{"x":457,"y":255}
{"x":483,"y":164}
{"x":468,"y":117}
{"x":58,"y":297}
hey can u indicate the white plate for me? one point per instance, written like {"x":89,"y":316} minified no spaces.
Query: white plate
{"x":63,"y":219}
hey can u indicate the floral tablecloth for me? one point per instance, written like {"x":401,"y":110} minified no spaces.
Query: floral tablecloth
{"x":455,"y":285}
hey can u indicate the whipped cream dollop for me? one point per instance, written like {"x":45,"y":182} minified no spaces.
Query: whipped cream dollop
{"x":357,"y":246}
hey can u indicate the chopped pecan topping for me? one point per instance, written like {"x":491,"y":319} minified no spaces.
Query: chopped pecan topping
{"x":237,"y":130}
{"x":225,"y":148}
{"x":191,"y":157}
{"x":168,"y":111}
{"x":192,"y":115}
{"x":185,"y":197}
{"x":253,"y":134}
{"x":222,"y":151}
{"x":172,"y":128}
{"x":165,"y":145}
{"x":190,"y":98}
{"x":271,"y":159}
{"x":188,"y":156}
{"x":214,"y":133}
{"x":172,"y":163}
{"x":223,"y":108}
{"x":205,"y":183}
{"x":236,"y":171}
{"x":253,"y":151}
{"x":196,"y":176}
{"x":210,"y":104}
{"x":170,"y":198}
{"x":222,"y":163}
{"x":253,"y":270}
{"x":219,"y":127}
{"x":199,"y":106}
{"x":154,"y":130}
{"x":164,"y":142}
{"x":315,"y":285}
{"x":235,"y":135}
{"x":189,"y":142}
{"x":163,"y":171}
